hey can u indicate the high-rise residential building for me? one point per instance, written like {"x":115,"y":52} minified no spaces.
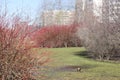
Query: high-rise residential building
{"x":104,"y":10}
{"x":83,"y":7}
{"x":57,"y":17}
{"x":79,"y":7}
{"x":89,"y":4}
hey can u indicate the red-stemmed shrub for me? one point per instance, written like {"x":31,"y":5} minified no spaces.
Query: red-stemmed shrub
{"x":57,"y":36}
{"x":18,"y":57}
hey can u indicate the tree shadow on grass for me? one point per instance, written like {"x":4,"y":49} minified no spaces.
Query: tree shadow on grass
{"x":84,"y":54}
{"x":88,"y":55}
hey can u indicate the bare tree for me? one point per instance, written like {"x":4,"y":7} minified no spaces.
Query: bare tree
{"x":102,"y":37}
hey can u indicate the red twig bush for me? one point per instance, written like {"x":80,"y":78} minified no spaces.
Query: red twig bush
{"x":18,"y":59}
{"x":57,"y":36}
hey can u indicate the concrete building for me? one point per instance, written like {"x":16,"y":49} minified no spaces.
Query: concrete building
{"x":57,"y":17}
{"x":83,"y":7}
{"x":104,"y":10}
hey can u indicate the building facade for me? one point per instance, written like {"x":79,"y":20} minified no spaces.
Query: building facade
{"x":57,"y":17}
{"x":83,"y":7}
{"x":104,"y":10}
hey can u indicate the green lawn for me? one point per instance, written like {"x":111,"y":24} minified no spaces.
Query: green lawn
{"x":65,"y":61}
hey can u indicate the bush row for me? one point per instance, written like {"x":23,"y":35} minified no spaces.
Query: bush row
{"x":57,"y":36}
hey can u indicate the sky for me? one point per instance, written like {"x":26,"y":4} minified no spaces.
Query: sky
{"x":31,"y":7}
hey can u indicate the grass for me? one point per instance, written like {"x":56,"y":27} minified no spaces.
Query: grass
{"x":65,"y":61}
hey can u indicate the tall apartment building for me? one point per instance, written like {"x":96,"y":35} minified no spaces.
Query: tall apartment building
{"x":83,"y":7}
{"x":79,"y":7}
{"x":105,"y":10}
{"x":57,"y":17}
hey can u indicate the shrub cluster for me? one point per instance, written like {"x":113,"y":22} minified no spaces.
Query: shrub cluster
{"x":57,"y":36}
{"x":18,"y":59}
{"x":101,"y":39}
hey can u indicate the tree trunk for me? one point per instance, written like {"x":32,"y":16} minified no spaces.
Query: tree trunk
{"x":65,"y":44}
{"x":101,"y":57}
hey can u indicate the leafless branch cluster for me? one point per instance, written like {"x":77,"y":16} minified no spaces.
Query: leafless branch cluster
{"x":102,"y":37}
{"x":18,"y":59}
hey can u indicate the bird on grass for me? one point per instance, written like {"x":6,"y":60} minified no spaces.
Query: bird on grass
{"x":79,"y":69}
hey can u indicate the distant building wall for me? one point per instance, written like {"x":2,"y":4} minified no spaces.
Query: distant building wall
{"x":57,"y":17}
{"x":104,"y":10}
{"x":83,"y":7}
